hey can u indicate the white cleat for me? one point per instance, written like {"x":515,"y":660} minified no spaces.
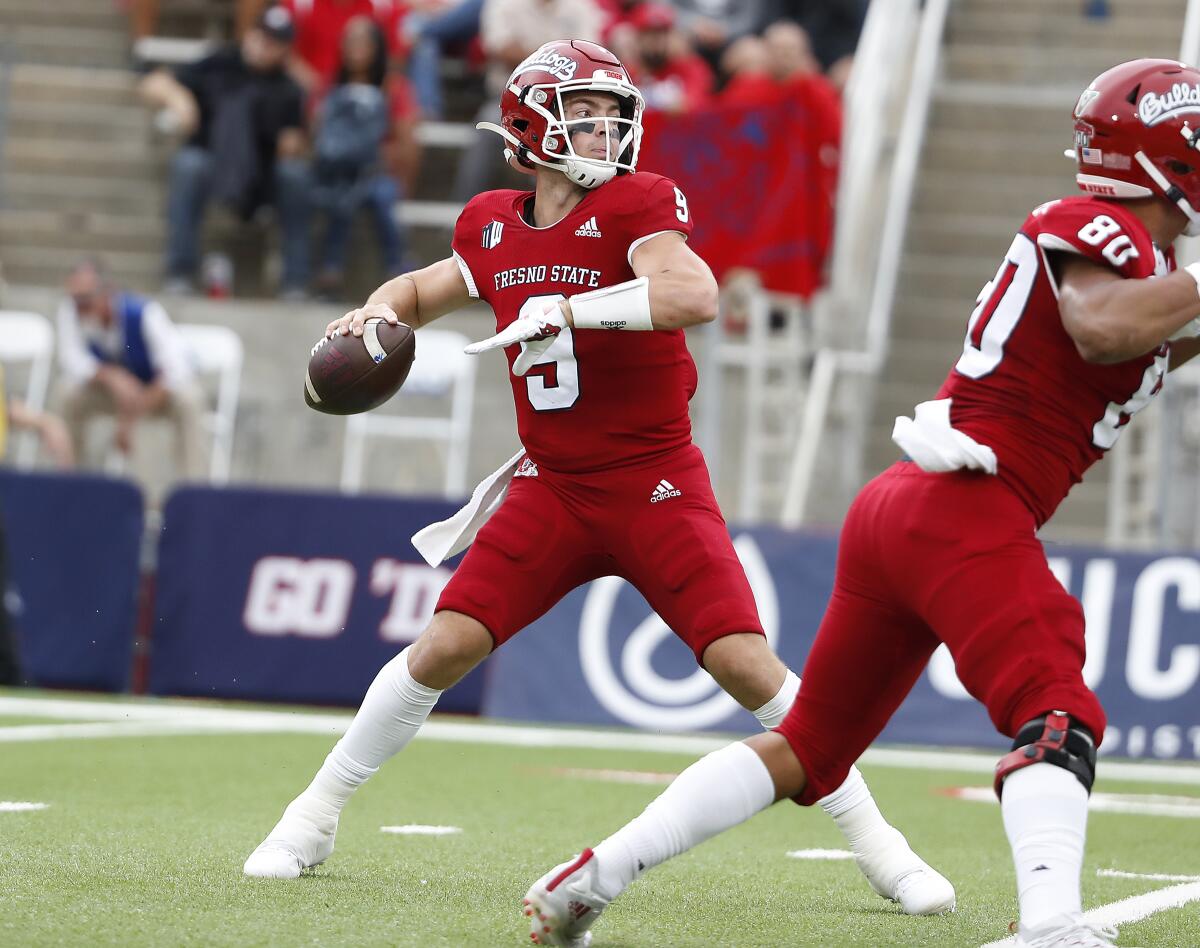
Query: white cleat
{"x":1066,"y":931}
{"x":299,"y":841}
{"x":900,"y":875}
{"x":563,"y":904}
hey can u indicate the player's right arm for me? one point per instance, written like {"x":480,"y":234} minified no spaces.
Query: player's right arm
{"x":416,"y":298}
{"x":1111,"y":319}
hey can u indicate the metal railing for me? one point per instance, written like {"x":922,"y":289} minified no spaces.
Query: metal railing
{"x":830,"y":361}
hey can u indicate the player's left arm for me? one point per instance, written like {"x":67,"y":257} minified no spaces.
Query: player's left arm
{"x":1111,"y":319}
{"x":680,"y":287}
{"x":673,"y":289}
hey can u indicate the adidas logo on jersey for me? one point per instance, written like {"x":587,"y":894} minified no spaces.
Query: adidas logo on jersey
{"x":665,"y":491}
{"x":589,"y":229}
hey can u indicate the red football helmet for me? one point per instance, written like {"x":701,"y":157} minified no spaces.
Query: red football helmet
{"x":532,"y":114}
{"x":1133,"y":135}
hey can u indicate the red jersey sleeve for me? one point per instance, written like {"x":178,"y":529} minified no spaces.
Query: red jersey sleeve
{"x":470,"y":236}
{"x":651,"y":205}
{"x":1099,"y":230}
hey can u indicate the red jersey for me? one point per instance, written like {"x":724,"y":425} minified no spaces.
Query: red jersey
{"x":1020,"y":386}
{"x":597,"y":399}
{"x":320,"y":24}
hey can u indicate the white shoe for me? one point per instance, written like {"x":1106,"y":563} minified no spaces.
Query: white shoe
{"x":897,"y":873}
{"x":563,"y":904}
{"x":1066,"y":931}
{"x":299,"y":841}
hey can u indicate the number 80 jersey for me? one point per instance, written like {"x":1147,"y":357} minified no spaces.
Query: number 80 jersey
{"x":596,"y":399}
{"x":1020,"y":386}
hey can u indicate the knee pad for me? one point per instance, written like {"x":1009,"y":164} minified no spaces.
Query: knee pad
{"x":1051,"y":739}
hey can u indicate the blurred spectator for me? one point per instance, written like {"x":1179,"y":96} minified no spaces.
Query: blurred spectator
{"x":121,"y":355}
{"x":619,"y":33}
{"x":56,"y":442}
{"x":510,"y":31}
{"x":245,"y":119}
{"x":670,"y":75}
{"x":316,"y":53}
{"x":797,"y":71}
{"x":349,"y":142}
{"x":834,"y":26}
{"x":143,"y":16}
{"x":746,"y":67}
{"x":713,"y":24}
{"x":430,"y":27}
{"x":789,"y":51}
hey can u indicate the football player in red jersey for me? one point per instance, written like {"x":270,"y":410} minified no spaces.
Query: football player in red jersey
{"x":1071,"y":338}
{"x":591,"y":281}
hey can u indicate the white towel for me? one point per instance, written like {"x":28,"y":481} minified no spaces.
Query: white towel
{"x":440,"y":541}
{"x":931,"y":441}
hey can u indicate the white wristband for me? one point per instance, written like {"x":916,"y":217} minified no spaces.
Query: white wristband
{"x":620,"y":306}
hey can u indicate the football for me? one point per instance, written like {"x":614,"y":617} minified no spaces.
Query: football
{"x":351,"y":374}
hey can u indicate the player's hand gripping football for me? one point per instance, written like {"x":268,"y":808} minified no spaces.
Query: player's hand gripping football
{"x":352,"y":322}
{"x":535,"y":333}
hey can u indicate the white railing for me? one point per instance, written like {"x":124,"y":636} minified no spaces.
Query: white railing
{"x":867,"y":361}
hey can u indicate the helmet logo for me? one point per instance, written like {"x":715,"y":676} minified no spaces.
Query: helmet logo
{"x":561,"y":68}
{"x":1181,"y":97}
{"x":1086,"y":99}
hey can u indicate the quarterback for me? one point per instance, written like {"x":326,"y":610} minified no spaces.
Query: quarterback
{"x":1070,"y":338}
{"x":592,"y":282}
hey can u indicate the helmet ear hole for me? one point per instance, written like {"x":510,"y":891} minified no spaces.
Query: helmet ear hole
{"x":1178,"y":167}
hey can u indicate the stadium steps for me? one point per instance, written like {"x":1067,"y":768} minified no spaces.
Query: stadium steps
{"x":999,"y":122}
{"x":94,"y":46}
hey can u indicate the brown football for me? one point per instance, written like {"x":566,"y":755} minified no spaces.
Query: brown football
{"x":351,"y":374}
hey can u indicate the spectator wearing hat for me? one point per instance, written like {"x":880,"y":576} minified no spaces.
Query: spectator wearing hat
{"x":669,"y":73}
{"x":244,"y":116}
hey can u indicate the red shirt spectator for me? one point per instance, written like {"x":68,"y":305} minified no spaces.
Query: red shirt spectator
{"x":319,"y":28}
{"x":671,"y":76}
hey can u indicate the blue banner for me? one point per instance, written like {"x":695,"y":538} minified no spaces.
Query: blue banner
{"x":297,"y":597}
{"x":73,"y":552}
{"x":612,"y":661}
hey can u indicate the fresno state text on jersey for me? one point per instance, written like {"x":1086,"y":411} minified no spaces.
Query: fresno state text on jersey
{"x":596,"y":399}
{"x":1021,"y":386}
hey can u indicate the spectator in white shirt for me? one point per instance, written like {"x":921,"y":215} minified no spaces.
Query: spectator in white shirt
{"x":121,"y":355}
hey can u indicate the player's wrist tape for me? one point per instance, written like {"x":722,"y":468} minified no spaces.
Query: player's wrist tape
{"x":621,"y":306}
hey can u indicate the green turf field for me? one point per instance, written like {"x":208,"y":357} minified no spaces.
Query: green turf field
{"x":144,"y":836}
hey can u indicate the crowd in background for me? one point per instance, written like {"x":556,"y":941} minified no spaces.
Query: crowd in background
{"x":311,"y":114}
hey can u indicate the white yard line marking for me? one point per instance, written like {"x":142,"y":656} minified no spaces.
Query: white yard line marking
{"x":1132,"y":909}
{"x":418,"y":829}
{"x":1141,"y":804}
{"x":614,"y":776}
{"x":820,"y":854}
{"x":20,"y":806}
{"x":199,"y":717}
{"x":1156,"y":876}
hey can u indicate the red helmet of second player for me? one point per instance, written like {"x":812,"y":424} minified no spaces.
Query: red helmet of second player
{"x":533,"y":118}
{"x":1137,"y":131}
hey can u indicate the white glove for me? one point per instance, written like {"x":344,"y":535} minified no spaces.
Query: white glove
{"x":536,"y":332}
